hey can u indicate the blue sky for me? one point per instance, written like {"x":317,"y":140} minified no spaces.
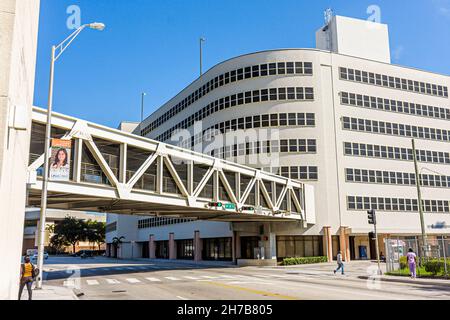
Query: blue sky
{"x":152,"y":45}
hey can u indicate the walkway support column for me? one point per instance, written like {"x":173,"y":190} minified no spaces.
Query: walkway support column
{"x":272,"y":254}
{"x":172,"y":247}
{"x":328,"y":243}
{"x":237,"y":246}
{"x":151,"y":247}
{"x":197,"y":246}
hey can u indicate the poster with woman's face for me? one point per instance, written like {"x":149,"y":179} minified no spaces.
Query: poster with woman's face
{"x":60,"y":160}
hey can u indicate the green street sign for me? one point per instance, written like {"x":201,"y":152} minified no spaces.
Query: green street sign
{"x":230,"y":206}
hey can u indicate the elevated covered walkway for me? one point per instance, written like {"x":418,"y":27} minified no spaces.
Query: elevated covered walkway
{"x":117,"y":172}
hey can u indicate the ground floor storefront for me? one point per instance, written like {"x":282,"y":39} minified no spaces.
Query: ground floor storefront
{"x":260,"y":247}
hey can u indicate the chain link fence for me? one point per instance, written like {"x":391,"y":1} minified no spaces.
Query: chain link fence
{"x":433,"y":257}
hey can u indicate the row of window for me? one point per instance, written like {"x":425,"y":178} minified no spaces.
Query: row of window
{"x":397,"y":178}
{"x":395,"y":153}
{"x":250,"y":122}
{"x":393,"y":82}
{"x":255,"y":96}
{"x":359,"y":100}
{"x":262,"y":70}
{"x":295,"y":172}
{"x":159,"y":221}
{"x":395,"y":129}
{"x":396,"y":204}
{"x":110,"y":227}
{"x":268,"y":146}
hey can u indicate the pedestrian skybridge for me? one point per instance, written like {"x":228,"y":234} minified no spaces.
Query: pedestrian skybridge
{"x":118,"y":172}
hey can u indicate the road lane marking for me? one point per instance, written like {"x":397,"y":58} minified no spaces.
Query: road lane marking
{"x":209,"y":277}
{"x":153,"y":279}
{"x":227,"y":276}
{"x":92,"y":282}
{"x":133,"y":280}
{"x":112,"y":281}
{"x":172,"y":278}
{"x":262,"y":275}
{"x":191,"y":278}
{"x":259,"y":292}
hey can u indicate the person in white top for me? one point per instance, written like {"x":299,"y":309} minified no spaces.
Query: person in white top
{"x":411,"y":258}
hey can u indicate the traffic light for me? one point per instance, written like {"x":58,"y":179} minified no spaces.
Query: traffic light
{"x":371,"y":217}
{"x":215,"y":204}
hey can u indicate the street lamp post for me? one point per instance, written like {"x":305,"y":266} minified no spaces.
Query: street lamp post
{"x":54,"y":56}
{"x":201,"y":55}
{"x":143,"y":94}
{"x":419,"y":198}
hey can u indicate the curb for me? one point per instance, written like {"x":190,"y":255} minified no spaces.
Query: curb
{"x":434,"y":283}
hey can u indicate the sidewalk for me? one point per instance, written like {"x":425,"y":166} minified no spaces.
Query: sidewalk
{"x":51,"y":293}
{"x":404,"y":279}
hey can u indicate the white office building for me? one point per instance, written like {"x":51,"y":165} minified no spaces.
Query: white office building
{"x":339,"y":117}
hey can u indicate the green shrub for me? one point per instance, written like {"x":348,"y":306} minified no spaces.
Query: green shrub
{"x":303,"y":260}
{"x":436,"y":266}
{"x":403,"y":262}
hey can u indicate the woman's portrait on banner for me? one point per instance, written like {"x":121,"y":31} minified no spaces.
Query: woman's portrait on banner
{"x":60,"y":160}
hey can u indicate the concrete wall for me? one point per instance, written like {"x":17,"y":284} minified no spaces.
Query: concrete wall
{"x":18,"y":43}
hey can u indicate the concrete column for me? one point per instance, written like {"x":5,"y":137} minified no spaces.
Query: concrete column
{"x":237,"y":241}
{"x":347,"y":248}
{"x":343,"y":239}
{"x":328,"y":243}
{"x":197,"y":246}
{"x":233,"y":247}
{"x":172,"y":247}
{"x":151,"y":247}
{"x":272,"y":252}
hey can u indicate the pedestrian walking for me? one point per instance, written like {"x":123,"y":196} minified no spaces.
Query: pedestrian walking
{"x":411,"y":258}
{"x":340,"y":263}
{"x":27,"y":275}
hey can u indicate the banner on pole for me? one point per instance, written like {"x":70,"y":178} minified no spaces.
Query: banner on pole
{"x":60,"y":160}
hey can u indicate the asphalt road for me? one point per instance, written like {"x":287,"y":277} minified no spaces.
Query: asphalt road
{"x":103,"y":278}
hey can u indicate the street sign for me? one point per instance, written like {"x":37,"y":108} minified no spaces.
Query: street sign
{"x":230,"y":206}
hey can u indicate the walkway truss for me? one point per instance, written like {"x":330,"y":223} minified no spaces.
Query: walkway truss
{"x":118,"y":172}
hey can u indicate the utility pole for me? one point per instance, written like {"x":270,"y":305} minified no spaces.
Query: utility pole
{"x":371,"y":215}
{"x":419,"y":197}
{"x":201,"y":55}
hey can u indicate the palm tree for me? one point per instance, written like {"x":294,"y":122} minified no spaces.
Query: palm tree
{"x":116,"y":242}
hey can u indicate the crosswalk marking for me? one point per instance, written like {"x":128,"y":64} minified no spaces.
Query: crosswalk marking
{"x":172,"y":278}
{"x":69,"y":283}
{"x":209,"y":277}
{"x":92,"y":282}
{"x":112,"y":281}
{"x":153,"y":279}
{"x":133,"y":280}
{"x":263,"y":276}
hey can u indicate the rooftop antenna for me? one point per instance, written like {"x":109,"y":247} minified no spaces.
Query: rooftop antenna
{"x":328,"y":15}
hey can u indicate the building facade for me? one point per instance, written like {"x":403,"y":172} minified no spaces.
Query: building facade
{"x":340,"y":117}
{"x":18,"y":44}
